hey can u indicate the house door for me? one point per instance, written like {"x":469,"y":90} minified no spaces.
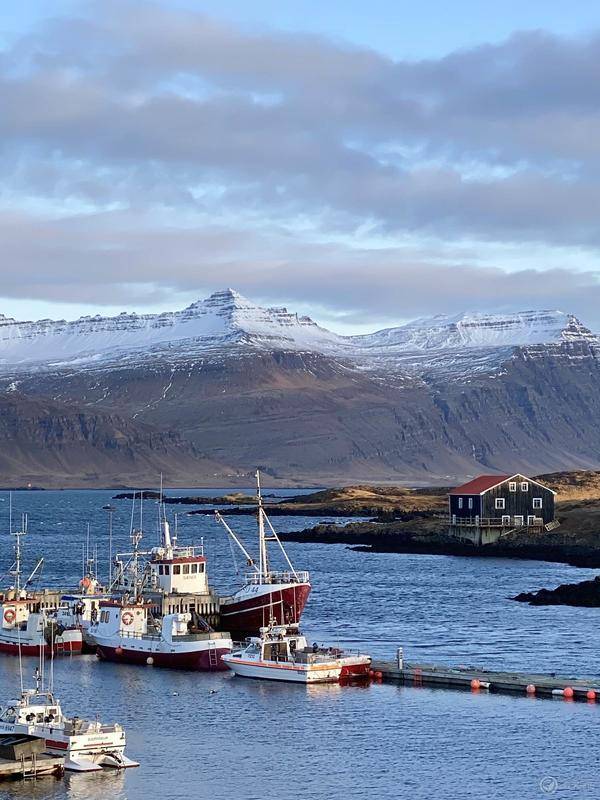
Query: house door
{"x":518,"y":520}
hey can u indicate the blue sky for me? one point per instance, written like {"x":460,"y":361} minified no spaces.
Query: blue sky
{"x":361,"y":162}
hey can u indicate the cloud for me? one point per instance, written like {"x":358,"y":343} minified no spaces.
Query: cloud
{"x":178,"y":138}
{"x":118,"y":257}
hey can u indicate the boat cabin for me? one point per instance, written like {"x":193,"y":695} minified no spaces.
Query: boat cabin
{"x":184,"y":573}
{"x":34,"y":708}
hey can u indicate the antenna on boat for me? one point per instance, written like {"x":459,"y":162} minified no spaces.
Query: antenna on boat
{"x":110,"y":510}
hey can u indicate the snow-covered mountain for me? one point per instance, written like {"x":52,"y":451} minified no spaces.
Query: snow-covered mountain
{"x":209,"y":392}
{"x":226,"y":322}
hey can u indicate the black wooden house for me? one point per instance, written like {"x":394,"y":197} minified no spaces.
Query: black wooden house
{"x":492,"y":506}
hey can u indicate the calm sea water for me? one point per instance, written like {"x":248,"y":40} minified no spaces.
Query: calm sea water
{"x":220,"y":737}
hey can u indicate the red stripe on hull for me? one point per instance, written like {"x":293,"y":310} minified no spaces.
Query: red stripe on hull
{"x":355,"y":671}
{"x":34,"y":649}
{"x":198,"y":660}
{"x":247,"y":616}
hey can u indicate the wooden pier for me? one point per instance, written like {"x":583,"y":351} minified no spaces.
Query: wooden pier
{"x":476,"y":679}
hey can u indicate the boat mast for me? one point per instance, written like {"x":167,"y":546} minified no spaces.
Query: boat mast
{"x":264,"y":560}
{"x":16,"y":571}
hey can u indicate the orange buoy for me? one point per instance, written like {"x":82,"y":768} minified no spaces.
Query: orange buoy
{"x":475,"y":685}
{"x":119,"y":650}
{"x":591,"y":694}
{"x":530,"y":688}
{"x":568,"y":692}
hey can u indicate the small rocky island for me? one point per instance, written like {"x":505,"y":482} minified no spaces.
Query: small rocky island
{"x":585,"y":594}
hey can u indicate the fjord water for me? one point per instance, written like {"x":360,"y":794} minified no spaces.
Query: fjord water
{"x":216,"y":736}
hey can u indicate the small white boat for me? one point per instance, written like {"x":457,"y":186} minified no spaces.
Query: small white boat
{"x":86,"y":745}
{"x":281,"y":653}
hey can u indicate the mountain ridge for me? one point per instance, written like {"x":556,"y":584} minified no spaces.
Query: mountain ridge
{"x":240,"y":386}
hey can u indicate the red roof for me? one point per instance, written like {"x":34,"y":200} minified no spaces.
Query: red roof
{"x":480,"y":484}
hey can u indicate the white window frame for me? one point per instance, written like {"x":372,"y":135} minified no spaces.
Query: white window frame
{"x":470,"y":502}
{"x":530,"y":519}
{"x":538,"y":503}
{"x":506,"y":519}
{"x":524,"y":486}
{"x":512,"y":486}
{"x":460,"y":502}
{"x":500,"y":504}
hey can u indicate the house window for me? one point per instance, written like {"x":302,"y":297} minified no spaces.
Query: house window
{"x":460,"y":502}
{"x":500,"y":503}
{"x":470,"y":502}
{"x":512,"y":486}
{"x":524,"y":486}
{"x":537,"y":502}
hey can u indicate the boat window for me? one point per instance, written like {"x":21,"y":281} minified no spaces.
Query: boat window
{"x":200,"y":567}
{"x":186,"y":569}
{"x":167,"y":569}
{"x":161,"y":569}
{"x":194,"y":568}
{"x":176,"y":569}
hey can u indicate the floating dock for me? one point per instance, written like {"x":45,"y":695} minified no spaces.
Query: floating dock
{"x":32,"y":767}
{"x":23,"y":756}
{"x":476,"y":679}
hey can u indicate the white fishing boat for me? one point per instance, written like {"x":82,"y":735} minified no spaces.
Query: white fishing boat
{"x":28,"y":632}
{"x":87,"y":746}
{"x":282,"y":653}
{"x":266,"y":593}
{"x":126,"y":631}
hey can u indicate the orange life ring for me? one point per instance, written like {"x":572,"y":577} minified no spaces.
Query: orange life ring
{"x":127,"y":618}
{"x":9,"y":615}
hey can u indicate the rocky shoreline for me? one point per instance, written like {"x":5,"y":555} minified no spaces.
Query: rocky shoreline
{"x":428,"y":536}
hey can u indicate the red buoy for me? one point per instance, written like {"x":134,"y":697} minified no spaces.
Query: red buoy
{"x":379,"y":675}
{"x":568,"y":692}
{"x":530,"y":688}
{"x":371,"y":673}
{"x":119,"y":650}
{"x":591,"y":694}
{"x":475,"y":685}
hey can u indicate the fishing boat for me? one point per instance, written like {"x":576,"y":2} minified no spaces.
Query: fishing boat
{"x":127,"y":631}
{"x":282,"y":653}
{"x":87,"y":746}
{"x":28,"y":632}
{"x":266,"y":593}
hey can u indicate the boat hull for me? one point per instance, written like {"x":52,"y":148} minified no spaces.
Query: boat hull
{"x":334,"y":672}
{"x":255,"y":606}
{"x":200,"y":660}
{"x":71,"y":644}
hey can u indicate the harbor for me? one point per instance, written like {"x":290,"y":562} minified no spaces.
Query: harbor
{"x":138,"y":696}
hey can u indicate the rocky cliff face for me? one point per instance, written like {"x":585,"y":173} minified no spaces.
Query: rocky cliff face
{"x":438,"y":399}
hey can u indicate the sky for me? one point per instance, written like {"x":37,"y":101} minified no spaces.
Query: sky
{"x":365,"y":163}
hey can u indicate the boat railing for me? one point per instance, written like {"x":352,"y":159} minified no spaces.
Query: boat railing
{"x":287,"y":576}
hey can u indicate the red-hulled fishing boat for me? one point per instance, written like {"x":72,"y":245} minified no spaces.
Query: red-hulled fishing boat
{"x":267,"y":596}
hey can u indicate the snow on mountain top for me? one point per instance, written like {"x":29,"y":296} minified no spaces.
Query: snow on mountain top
{"x":474,"y":330}
{"x":226,"y":319}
